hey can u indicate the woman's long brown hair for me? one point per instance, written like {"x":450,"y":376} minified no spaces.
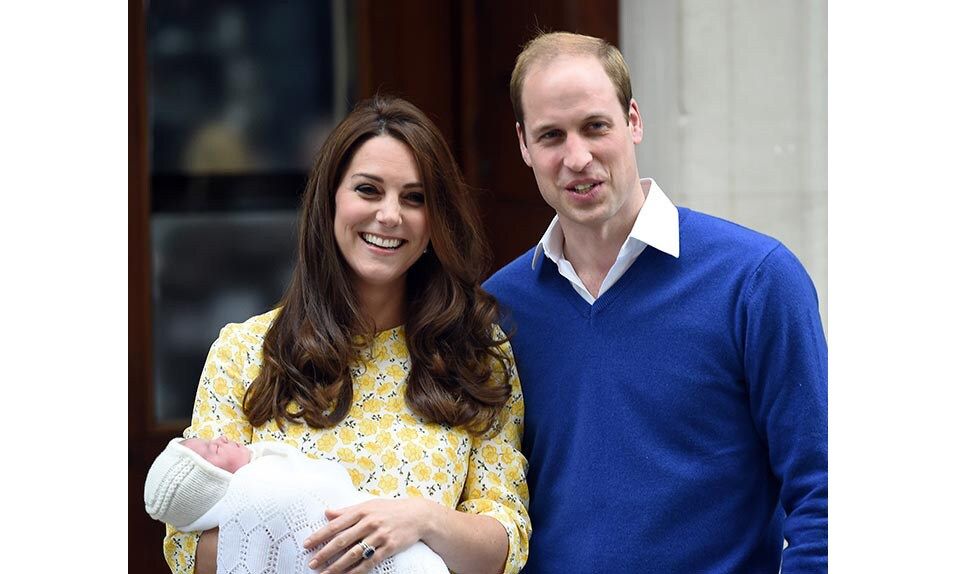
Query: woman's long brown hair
{"x":452,"y":346}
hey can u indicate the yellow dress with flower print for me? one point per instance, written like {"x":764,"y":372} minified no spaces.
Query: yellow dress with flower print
{"x":386,"y":448}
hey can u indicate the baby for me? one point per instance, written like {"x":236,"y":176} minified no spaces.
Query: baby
{"x":266,"y":498}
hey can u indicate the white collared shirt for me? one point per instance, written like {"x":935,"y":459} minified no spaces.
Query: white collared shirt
{"x":656,"y":225}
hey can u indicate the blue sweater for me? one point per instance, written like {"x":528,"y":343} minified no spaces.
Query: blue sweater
{"x":680,"y":423}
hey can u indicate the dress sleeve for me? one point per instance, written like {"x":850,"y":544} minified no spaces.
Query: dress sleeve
{"x":496,"y":484}
{"x":216,"y":411}
{"x":785,"y":357}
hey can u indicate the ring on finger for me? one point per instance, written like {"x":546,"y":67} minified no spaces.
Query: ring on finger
{"x":367,"y":549}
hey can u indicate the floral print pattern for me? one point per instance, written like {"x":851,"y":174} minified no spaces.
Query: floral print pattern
{"x":386,"y":448}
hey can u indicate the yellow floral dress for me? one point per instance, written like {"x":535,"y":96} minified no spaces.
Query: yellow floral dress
{"x":386,"y":448}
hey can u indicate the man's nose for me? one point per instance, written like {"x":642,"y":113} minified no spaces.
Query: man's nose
{"x":577,"y":156}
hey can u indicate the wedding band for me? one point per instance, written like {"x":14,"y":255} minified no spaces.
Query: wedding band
{"x":367,"y":550}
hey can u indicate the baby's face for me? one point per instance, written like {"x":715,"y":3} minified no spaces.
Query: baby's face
{"x":222,"y":452}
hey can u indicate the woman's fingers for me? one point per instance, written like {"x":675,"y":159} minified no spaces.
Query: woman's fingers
{"x":359,"y":559}
{"x":344,"y":543}
{"x":340,"y":522}
{"x":384,"y":526}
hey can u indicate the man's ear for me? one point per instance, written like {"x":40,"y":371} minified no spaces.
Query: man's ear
{"x":521,"y":144}
{"x":634,"y":122}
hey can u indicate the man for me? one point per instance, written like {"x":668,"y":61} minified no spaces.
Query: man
{"x":674,"y":364}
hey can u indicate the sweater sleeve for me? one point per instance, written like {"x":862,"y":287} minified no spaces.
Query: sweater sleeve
{"x":785,"y":361}
{"x":216,"y":411}
{"x":496,"y":484}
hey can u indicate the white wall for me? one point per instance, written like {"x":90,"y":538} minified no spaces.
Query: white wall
{"x":733,"y":94}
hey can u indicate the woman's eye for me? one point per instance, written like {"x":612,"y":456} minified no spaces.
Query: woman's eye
{"x":415,"y":198}
{"x":366,"y":189}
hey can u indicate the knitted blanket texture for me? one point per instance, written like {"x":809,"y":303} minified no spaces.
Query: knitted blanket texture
{"x":274,"y":503}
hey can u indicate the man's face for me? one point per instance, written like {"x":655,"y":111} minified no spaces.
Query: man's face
{"x":580,"y":144}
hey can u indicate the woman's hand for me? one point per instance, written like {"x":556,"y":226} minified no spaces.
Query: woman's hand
{"x":206,"y":552}
{"x":387,"y":525}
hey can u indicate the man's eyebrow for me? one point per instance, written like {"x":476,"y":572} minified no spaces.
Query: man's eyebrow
{"x":597,"y":116}
{"x":414,"y":184}
{"x":537,"y":130}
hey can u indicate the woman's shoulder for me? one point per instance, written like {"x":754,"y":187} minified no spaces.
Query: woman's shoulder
{"x":251,"y":330}
{"x":501,"y":338}
{"x":497,"y":331}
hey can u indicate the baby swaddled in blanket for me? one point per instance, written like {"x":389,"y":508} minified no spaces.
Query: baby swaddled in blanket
{"x":266,"y":498}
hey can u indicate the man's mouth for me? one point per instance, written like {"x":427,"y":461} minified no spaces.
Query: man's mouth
{"x":382,"y":242}
{"x":583,"y":188}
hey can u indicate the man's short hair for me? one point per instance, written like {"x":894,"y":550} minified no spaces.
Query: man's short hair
{"x":547,"y":46}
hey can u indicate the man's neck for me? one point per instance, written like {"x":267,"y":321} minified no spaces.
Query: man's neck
{"x":592,"y":251}
{"x":592,"y":255}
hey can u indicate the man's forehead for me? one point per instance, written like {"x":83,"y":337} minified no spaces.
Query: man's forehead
{"x":567,"y":88}
{"x":568,"y":110}
{"x":563,"y":66}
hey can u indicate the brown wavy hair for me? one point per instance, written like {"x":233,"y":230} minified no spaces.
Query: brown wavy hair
{"x":318,"y":333}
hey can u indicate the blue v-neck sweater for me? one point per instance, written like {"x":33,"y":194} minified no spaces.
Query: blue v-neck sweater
{"x":680,"y":423}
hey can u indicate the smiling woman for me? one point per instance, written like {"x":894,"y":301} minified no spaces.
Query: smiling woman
{"x":384,"y":356}
{"x":381,"y":227}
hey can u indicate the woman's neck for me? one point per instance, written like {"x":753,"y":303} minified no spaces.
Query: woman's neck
{"x":384,"y":306}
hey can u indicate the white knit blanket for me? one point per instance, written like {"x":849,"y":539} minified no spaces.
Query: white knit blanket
{"x":276,"y":501}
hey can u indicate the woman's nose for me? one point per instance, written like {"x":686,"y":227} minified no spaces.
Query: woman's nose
{"x":389,"y":213}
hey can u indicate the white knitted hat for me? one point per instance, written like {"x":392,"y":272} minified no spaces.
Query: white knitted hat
{"x":181,"y":486}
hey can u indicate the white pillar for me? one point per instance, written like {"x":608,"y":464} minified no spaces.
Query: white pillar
{"x":733,"y":94}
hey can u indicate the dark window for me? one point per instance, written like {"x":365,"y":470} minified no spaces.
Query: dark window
{"x":241,"y":95}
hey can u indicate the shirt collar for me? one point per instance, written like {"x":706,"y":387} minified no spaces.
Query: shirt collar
{"x":656,"y":225}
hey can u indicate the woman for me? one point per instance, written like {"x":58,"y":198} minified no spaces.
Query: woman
{"x":383,"y":354}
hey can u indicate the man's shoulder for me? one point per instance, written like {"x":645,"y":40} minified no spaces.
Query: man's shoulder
{"x":720,"y":239}
{"x":517,"y":270}
{"x":711,"y":230}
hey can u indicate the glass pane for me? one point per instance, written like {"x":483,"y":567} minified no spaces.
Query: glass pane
{"x":210,"y":269}
{"x":241,"y":95}
{"x":244,"y":86}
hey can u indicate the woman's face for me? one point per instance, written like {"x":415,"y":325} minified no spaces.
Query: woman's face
{"x":380,"y":223}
